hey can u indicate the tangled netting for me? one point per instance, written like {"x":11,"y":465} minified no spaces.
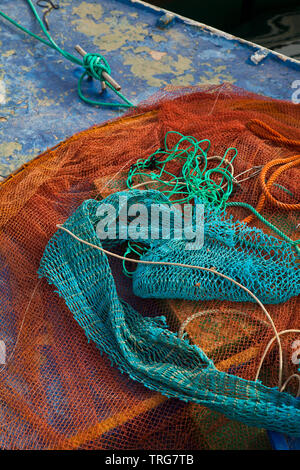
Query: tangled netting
{"x":264,"y":264}
{"x":144,"y":347}
{"x":56,"y":390}
{"x":195,"y":180}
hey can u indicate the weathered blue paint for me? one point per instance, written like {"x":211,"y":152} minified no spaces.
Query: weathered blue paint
{"x":38,"y":98}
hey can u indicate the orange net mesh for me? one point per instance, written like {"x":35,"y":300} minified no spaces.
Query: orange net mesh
{"x":56,"y":390}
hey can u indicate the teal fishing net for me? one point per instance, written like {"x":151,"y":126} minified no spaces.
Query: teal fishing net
{"x":264,"y":264}
{"x":144,"y":347}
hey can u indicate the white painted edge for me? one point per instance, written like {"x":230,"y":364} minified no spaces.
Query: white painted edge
{"x":218,"y":32}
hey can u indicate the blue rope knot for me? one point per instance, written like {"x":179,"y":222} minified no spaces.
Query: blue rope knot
{"x":95,"y":65}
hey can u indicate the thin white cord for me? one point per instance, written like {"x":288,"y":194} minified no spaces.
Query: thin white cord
{"x":277,"y":335}
{"x":255,"y":173}
{"x":212,"y":311}
{"x":183,"y":183}
{"x":234,"y":178}
{"x":228,"y":162}
{"x":266,"y":352}
{"x":114,"y":177}
{"x":166,"y":263}
{"x":296,"y":376}
{"x":21,"y":327}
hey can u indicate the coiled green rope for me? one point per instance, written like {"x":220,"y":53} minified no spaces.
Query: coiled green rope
{"x":195,"y":181}
{"x":94,"y":64}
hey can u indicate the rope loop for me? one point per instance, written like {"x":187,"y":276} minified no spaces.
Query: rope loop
{"x":95,"y":65}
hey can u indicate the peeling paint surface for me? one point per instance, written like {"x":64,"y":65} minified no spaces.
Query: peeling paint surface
{"x":39,"y":105}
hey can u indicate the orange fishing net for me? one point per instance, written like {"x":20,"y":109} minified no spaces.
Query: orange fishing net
{"x":56,"y":390}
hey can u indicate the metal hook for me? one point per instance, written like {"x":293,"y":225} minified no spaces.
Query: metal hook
{"x":257,"y":169}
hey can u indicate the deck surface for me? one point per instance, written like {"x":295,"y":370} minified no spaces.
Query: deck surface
{"x":39,"y":105}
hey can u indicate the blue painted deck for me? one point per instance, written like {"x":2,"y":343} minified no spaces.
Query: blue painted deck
{"x":39,"y":105}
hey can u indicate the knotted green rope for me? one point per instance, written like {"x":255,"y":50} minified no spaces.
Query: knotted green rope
{"x":94,"y":64}
{"x":195,"y":180}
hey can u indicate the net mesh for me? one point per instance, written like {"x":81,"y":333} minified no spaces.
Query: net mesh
{"x":263,"y":264}
{"x":144,"y":347}
{"x":56,"y":390}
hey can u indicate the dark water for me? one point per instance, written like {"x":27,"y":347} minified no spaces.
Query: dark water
{"x":273,"y":24}
{"x":278,"y":30}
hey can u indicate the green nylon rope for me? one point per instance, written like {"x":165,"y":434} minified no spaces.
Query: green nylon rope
{"x":295,"y":243}
{"x":195,"y":180}
{"x":198,"y":182}
{"x":132,"y":248}
{"x":94,"y":64}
